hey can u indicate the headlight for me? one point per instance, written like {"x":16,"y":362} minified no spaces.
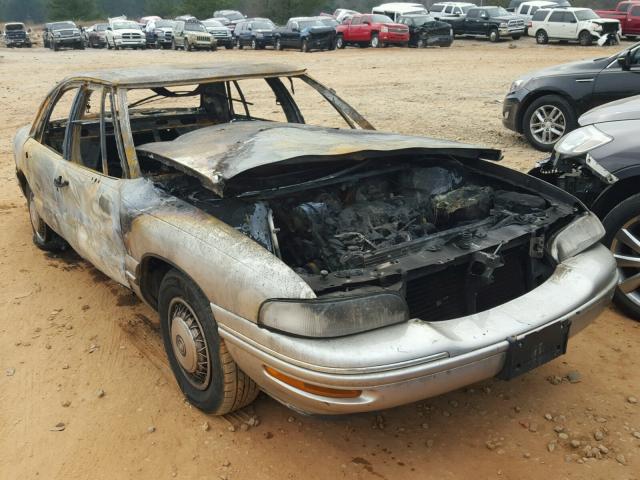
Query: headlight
{"x":259,"y":35}
{"x":384,"y":29}
{"x":335,"y":316}
{"x":517,"y":85}
{"x":582,"y":140}
{"x":57,"y":34}
{"x":596,"y":27}
{"x":504,"y":25}
{"x":576,"y":237}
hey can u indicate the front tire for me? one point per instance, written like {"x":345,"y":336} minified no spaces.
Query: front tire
{"x":541,"y":37}
{"x":585,"y":38}
{"x":278,"y":44}
{"x":254,"y":44}
{"x":546,"y":120}
{"x":375,"y":41}
{"x":205,"y":371}
{"x":622,"y":224}
{"x":494,"y":35}
{"x":305,"y":46}
{"x":340,"y":42}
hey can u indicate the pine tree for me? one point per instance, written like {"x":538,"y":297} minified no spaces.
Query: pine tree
{"x":71,"y":9}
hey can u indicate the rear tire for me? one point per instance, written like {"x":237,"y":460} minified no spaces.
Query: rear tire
{"x":625,"y":215}
{"x":585,"y":38}
{"x":205,"y":371}
{"x":541,"y":37}
{"x":43,"y":237}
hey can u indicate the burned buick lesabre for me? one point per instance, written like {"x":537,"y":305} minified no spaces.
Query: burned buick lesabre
{"x":337,"y":269}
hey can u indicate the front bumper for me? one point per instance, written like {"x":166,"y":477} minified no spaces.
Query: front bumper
{"x":511,"y":106}
{"x":408,"y":362}
{"x":67,"y":40}
{"x":438,"y":40}
{"x":17,"y":42}
{"x":509,"y":32}
{"x":391,"y":37}
{"x":130,"y":42}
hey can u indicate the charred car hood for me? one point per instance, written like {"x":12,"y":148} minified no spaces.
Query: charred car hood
{"x":624,"y":109}
{"x":218,"y":153}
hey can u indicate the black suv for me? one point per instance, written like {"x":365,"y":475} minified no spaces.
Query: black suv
{"x":544,"y":105}
{"x":599,"y":164}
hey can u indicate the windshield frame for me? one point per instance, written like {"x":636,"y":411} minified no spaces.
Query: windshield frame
{"x":62,"y":25}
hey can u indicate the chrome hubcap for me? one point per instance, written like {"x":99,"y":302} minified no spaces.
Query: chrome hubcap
{"x":189,"y":345}
{"x":548,"y":124}
{"x":374,"y":42}
{"x":626,"y":250}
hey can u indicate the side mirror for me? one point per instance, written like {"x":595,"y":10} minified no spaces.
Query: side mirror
{"x":109,"y":28}
{"x":625,"y":61}
{"x":484,"y":17}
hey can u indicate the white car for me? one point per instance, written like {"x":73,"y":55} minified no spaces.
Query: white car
{"x":527,"y":9}
{"x":125,"y":34}
{"x":397,"y":9}
{"x":581,"y":24}
{"x":341,"y":14}
{"x":449,"y":9}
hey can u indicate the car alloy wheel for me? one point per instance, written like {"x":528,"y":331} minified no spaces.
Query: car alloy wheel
{"x":189,"y":345}
{"x":340,"y":42}
{"x":254,"y":44}
{"x":494,"y":35}
{"x":547,"y":124}
{"x":375,"y":41}
{"x":542,"y":37}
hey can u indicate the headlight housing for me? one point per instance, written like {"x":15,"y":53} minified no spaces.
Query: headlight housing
{"x":384,"y":29}
{"x":504,"y":25}
{"x":596,"y":27}
{"x":333,"y":316}
{"x":517,"y":85}
{"x":582,"y":140}
{"x":576,"y":237}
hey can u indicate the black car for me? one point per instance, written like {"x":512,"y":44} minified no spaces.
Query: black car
{"x":254,"y":32}
{"x":426,"y":31}
{"x":493,"y":23}
{"x":599,"y":164}
{"x":306,"y":34}
{"x":544,"y":105}
{"x":57,"y":35}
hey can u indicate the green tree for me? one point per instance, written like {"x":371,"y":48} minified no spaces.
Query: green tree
{"x":71,"y":9}
{"x":204,"y":8}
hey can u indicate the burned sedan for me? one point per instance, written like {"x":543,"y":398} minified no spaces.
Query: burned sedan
{"x":337,"y":269}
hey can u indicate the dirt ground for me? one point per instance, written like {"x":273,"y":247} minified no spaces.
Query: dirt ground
{"x":78,"y":349}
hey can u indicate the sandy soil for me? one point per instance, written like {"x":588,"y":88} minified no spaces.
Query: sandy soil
{"x":67,"y":332}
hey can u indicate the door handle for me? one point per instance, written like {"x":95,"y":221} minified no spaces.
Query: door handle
{"x":60,"y":182}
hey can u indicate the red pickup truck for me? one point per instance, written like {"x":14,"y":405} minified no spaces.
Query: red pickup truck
{"x":371,"y":30}
{"x":628,"y":13}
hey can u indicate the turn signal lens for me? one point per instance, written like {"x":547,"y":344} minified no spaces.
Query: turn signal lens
{"x":311,"y":388}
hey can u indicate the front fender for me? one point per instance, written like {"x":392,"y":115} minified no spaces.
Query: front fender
{"x":231,"y":269}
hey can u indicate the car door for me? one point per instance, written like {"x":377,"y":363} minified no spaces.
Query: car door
{"x":355,"y":29}
{"x":614,"y":83}
{"x":570,"y":26}
{"x":470,"y":21}
{"x":88,"y":183}
{"x":44,"y":154}
{"x":633,"y":20}
{"x":554,"y":24}
{"x":293,"y":34}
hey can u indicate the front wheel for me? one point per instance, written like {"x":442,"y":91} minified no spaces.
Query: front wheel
{"x":205,"y":371}
{"x":239,"y":44}
{"x":546,"y":120}
{"x":340,"y":42}
{"x":305,"y":46}
{"x":375,"y":41}
{"x":421,"y":43}
{"x":541,"y":37}
{"x":622,"y":224}
{"x":585,"y":38}
{"x":187,"y":45}
{"x":254,"y":44}
{"x":494,"y":35}
{"x":278,"y":44}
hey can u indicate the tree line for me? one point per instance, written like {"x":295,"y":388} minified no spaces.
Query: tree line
{"x":37,"y":11}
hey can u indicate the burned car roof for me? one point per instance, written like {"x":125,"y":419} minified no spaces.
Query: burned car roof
{"x":166,"y":75}
{"x":218,"y":153}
